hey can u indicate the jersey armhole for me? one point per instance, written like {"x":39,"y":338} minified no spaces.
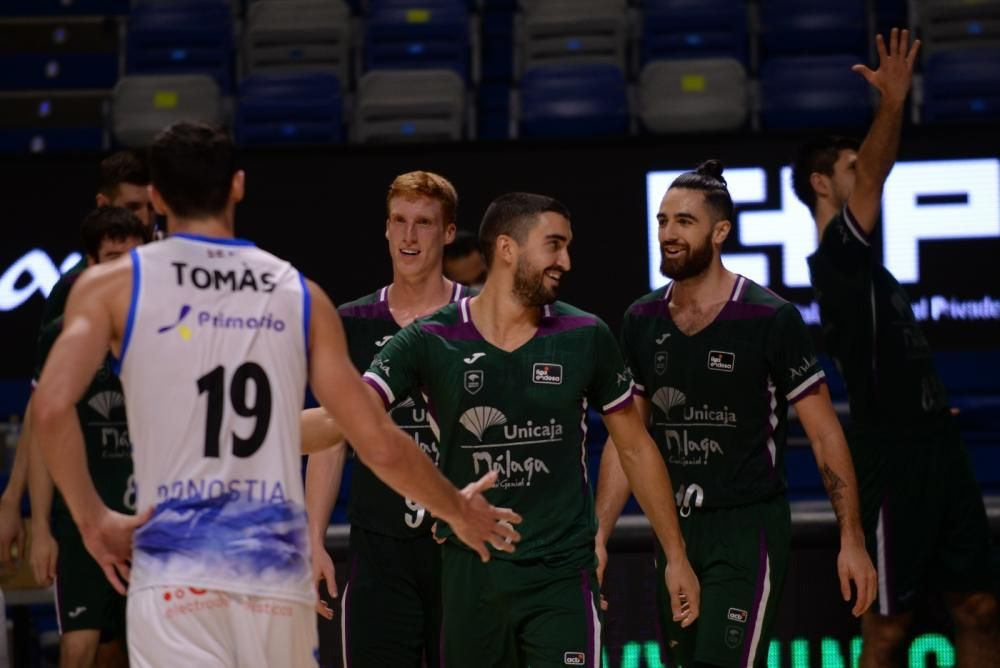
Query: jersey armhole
{"x":306,"y":313}
{"x":132,"y":306}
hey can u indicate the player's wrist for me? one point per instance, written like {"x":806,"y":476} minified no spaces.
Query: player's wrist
{"x":852,"y":537}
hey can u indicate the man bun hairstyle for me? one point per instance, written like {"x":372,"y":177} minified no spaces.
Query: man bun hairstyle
{"x":708,"y":179}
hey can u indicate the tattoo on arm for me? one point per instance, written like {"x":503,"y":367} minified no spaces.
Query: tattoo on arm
{"x":835,"y":488}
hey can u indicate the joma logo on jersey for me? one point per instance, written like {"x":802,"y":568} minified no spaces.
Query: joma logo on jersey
{"x":233,"y":280}
{"x":721,"y":361}
{"x":574,"y":658}
{"x":547,"y":374}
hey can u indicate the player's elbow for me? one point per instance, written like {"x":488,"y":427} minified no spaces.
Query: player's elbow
{"x":47,"y":406}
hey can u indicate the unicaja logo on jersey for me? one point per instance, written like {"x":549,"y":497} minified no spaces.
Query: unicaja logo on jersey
{"x":105,"y":402}
{"x":477,"y":420}
{"x":666,"y":398}
{"x":178,"y":324}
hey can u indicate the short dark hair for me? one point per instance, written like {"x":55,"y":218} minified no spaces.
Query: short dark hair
{"x":465,"y":242}
{"x":513,"y":215}
{"x":192,"y":167}
{"x":817,"y":157}
{"x":122,"y":167}
{"x":111,"y":222}
{"x":708,"y":179}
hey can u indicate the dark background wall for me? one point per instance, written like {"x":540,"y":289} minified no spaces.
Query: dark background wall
{"x":324,"y":210}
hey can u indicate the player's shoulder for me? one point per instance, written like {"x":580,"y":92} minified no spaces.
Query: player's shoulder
{"x":366,"y":307}
{"x":759,"y":301}
{"x":559,"y":317}
{"x":650,"y":304}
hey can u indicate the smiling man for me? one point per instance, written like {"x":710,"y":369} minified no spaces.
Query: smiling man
{"x":508,"y":376}
{"x":718,"y":360}
{"x":392,"y":603}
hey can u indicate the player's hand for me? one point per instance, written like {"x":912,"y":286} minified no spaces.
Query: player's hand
{"x":895,"y":65}
{"x":44,"y":555}
{"x":602,"y":563}
{"x":322,"y":567}
{"x":684,"y":590}
{"x":854,"y":564}
{"x":434,"y":535}
{"x":479,"y":523}
{"x":109,"y":541}
{"x":11,"y":533}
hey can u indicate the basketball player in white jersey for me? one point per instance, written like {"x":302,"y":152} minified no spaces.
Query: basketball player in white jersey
{"x":215,"y":340}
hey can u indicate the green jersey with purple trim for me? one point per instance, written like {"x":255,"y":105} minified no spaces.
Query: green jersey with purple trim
{"x":719,"y":398}
{"x":870,"y":331}
{"x":373,"y":505}
{"x":521,"y":413}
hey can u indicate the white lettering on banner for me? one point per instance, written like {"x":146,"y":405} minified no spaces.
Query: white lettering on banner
{"x":923,"y":200}
{"x":32,"y":272}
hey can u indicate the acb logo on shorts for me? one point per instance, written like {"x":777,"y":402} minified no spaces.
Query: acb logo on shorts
{"x":574,"y":658}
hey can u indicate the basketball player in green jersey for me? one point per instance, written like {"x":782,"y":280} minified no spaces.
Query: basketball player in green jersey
{"x":508,"y":377}
{"x":717,"y":361}
{"x":922,"y":508}
{"x":391,"y":605}
{"x":90,"y":613}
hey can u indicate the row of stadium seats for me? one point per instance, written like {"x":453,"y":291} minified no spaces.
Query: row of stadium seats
{"x":566,"y":75}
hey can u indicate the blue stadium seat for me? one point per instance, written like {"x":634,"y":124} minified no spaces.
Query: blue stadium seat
{"x":811,"y":27}
{"x":497,"y":52}
{"x":72,"y":52}
{"x":694,"y":29}
{"x":50,"y":121}
{"x":426,"y":35}
{"x":63,"y":7}
{"x":813,"y":92}
{"x":573,"y":100}
{"x":181,"y":37}
{"x":962,"y":85}
{"x":290,"y":108}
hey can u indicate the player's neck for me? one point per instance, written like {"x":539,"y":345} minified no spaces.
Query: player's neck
{"x":501,"y":318}
{"x":413,"y":297}
{"x":712,"y":286}
{"x":211,"y":226}
{"x":823,"y":214}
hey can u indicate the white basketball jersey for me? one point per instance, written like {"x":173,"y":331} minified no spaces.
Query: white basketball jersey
{"x":214,"y":367}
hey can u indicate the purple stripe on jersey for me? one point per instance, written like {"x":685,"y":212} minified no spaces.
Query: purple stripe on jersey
{"x":806,"y":391}
{"x":619,"y":404}
{"x":653,"y":308}
{"x":346,"y":631}
{"x":381,"y":393}
{"x":744,"y":311}
{"x":459,"y":331}
{"x":588,"y":602}
{"x":855,"y":227}
{"x":376,"y":311}
{"x":758,"y":595}
{"x":564,"y":323}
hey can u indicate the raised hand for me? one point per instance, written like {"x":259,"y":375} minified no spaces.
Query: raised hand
{"x":895,"y":66}
{"x":480,"y":523}
{"x":109,"y":541}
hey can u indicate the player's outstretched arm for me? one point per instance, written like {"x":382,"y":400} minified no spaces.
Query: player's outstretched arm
{"x":87,"y":332}
{"x":833,"y":459}
{"x":319,"y":431}
{"x":11,"y":523}
{"x":878,"y":151}
{"x":392,"y":455}
{"x":324,"y":471}
{"x":650,"y":482}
